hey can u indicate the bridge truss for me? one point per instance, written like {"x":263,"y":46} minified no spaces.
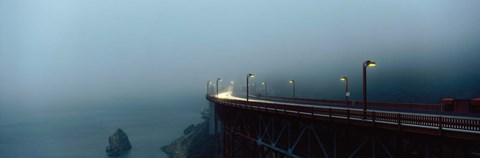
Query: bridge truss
{"x":253,"y":129}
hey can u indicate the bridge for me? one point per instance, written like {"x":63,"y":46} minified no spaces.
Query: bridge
{"x":300,"y":127}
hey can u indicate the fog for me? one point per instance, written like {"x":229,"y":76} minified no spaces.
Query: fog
{"x":61,"y":52}
{"x":72,"y":72}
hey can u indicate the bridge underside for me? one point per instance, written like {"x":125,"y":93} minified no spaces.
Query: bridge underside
{"x":250,"y":133}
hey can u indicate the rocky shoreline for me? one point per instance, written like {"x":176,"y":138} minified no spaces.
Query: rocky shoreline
{"x":195,"y":143}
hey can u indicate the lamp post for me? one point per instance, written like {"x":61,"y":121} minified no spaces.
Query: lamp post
{"x":293,"y":82}
{"x":250,"y":75}
{"x":346,"y":88}
{"x":366,"y":64}
{"x":254,"y":89}
{"x":265,"y":84}
{"x":218,"y":79}
{"x":208,"y":86}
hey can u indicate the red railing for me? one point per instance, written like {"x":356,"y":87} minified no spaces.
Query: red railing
{"x":412,"y":120}
{"x":409,"y":106}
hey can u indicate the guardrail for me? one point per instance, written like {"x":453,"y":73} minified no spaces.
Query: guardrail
{"x":390,"y":120}
{"x":409,"y":106}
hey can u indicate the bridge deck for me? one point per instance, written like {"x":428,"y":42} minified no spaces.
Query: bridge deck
{"x":467,"y":127}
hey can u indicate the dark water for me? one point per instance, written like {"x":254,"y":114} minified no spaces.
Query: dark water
{"x":83,"y":130}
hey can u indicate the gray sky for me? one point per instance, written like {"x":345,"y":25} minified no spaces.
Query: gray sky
{"x":57,"y":50}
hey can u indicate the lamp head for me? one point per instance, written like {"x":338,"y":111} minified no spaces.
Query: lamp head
{"x":370,"y":63}
{"x":263,"y":82}
{"x":291,"y":81}
{"x":251,"y":75}
{"x":343,"y":78}
{"x":219,"y":79}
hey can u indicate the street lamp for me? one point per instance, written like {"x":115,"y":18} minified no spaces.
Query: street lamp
{"x":366,"y":64}
{"x":208,"y":86}
{"x":346,"y":88}
{"x":293,"y":82}
{"x":218,"y":79}
{"x":265,"y":84}
{"x":250,"y":75}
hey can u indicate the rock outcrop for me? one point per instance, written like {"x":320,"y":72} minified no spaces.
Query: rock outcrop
{"x":118,"y":143}
{"x":196,"y":143}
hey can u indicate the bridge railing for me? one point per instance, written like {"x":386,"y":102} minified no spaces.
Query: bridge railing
{"x":400,"y":119}
{"x":409,"y":106}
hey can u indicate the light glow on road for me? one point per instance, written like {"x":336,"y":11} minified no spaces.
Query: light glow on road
{"x":228,"y":95}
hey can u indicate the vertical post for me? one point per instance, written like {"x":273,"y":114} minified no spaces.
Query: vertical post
{"x":365,"y":65}
{"x":399,"y":121}
{"x":440,"y":125}
{"x":254,"y":89}
{"x":348,"y":115}
{"x":248,"y":76}
{"x":313,"y":110}
{"x":346,"y":90}
{"x":330,"y":113}
{"x":265,"y":84}
{"x":293,"y":89}
{"x":218,"y":79}
{"x":293,"y":86}
{"x":373,"y":118}
{"x":266,"y":94}
{"x":364,"y":91}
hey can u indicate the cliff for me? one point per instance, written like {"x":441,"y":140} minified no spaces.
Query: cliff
{"x":195,"y":143}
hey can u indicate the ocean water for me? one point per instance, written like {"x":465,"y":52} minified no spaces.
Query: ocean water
{"x":83,"y":130}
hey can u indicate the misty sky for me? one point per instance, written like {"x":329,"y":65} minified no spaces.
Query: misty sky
{"x":53,"y":51}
